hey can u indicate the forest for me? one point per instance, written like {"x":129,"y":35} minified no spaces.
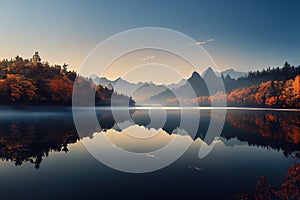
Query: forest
{"x":276,"y":87}
{"x":33,"y":82}
{"x":273,"y":87}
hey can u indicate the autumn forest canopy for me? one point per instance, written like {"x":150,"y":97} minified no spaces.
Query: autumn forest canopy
{"x":33,"y":82}
{"x":271,"y":87}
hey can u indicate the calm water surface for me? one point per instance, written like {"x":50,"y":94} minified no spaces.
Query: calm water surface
{"x":42,"y":157}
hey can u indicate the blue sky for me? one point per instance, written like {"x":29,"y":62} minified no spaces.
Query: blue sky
{"x":248,"y":35}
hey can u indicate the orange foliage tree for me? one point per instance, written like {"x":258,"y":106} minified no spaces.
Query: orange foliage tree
{"x":61,"y":89}
{"x":17,"y":88}
{"x":270,"y":93}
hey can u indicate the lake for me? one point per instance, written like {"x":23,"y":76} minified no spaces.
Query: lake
{"x":43,"y":157}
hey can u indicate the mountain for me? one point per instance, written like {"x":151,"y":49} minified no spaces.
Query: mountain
{"x":147,"y":93}
{"x":194,"y":87}
{"x":209,"y":72}
{"x":230,"y":72}
{"x":212,"y":81}
{"x":162,"y":98}
{"x":140,"y":92}
{"x":198,"y":85}
{"x":119,"y":85}
{"x":233,"y":74}
{"x":143,"y":91}
{"x":177,"y":85}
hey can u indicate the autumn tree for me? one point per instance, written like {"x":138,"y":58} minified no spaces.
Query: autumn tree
{"x":61,"y":89}
{"x":17,"y":89}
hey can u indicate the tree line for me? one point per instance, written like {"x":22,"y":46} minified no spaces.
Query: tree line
{"x":284,"y":73}
{"x":276,"y":87}
{"x":32,"y":82}
{"x":271,"y":87}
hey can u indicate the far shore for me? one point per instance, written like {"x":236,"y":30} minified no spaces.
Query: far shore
{"x":141,"y":107}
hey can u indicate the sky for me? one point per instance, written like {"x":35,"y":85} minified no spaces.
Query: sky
{"x":244,"y":35}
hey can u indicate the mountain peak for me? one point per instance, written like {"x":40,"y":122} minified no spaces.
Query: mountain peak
{"x":195,"y":74}
{"x":233,"y":74}
{"x":118,"y":79}
{"x":209,"y":69}
{"x":208,"y":72}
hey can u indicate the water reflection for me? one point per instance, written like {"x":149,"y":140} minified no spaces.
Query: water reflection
{"x":276,"y":130}
{"x":30,"y":136}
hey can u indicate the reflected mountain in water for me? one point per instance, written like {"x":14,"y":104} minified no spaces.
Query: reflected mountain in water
{"x":30,"y":136}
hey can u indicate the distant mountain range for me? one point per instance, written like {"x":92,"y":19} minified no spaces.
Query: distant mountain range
{"x":195,"y":86}
{"x":232,"y":73}
{"x":150,"y":92}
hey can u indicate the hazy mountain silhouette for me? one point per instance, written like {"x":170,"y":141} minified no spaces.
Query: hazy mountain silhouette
{"x":177,"y":85}
{"x":139,"y":91}
{"x":231,"y":73}
{"x":212,"y":82}
{"x":147,"y":90}
{"x":260,"y":87}
{"x":120,"y":85}
{"x":142,"y":91}
{"x":149,"y":93}
{"x":195,"y":82}
{"x":183,"y":90}
{"x":162,"y":97}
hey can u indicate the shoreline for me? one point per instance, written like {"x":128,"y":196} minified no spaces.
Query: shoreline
{"x":146,"y":107}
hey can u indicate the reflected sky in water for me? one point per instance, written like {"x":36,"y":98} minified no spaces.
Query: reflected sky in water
{"x":252,"y":144}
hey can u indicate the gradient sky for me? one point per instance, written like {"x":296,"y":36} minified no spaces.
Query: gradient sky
{"x":248,"y":35}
